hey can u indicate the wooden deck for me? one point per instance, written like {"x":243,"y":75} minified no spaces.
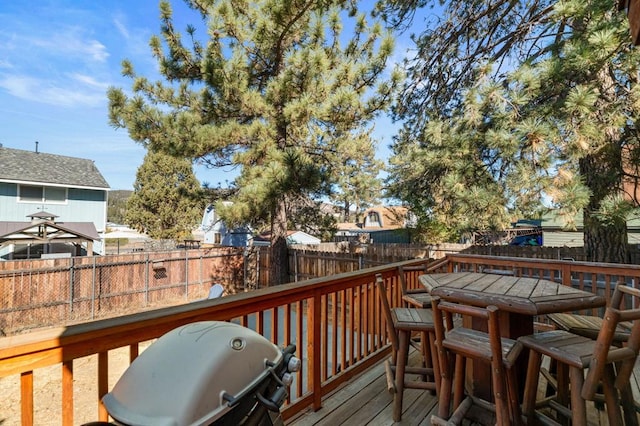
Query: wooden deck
{"x":365,"y":401}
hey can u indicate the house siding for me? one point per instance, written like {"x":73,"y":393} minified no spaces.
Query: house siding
{"x":562,"y":239}
{"x":83,"y":205}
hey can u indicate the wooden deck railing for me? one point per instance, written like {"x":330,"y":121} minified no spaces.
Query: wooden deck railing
{"x":335,"y":322}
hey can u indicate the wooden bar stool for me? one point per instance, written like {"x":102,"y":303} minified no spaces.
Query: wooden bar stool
{"x":455,"y":346}
{"x":414,"y":297}
{"x":589,"y":326}
{"x":401,"y":324}
{"x":606,"y":365}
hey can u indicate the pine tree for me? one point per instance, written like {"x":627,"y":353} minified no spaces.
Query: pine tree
{"x":277,"y":91}
{"x":165,"y":202}
{"x":541,"y":107}
{"x":357,"y":183}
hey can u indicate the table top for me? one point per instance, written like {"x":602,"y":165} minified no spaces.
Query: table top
{"x":522,"y":295}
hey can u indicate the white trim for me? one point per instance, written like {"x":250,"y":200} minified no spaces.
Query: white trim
{"x":64,"y":185}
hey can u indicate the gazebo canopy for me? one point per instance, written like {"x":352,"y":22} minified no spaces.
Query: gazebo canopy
{"x":43,"y":230}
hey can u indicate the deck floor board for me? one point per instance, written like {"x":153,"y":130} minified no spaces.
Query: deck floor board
{"x":365,"y":401}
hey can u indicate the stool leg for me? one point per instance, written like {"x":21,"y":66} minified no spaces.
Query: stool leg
{"x":458,"y":381}
{"x":578,"y":404}
{"x":512,"y":394}
{"x":611,"y":396}
{"x":426,"y":354}
{"x":401,"y":362}
{"x":531,"y":386}
{"x":628,"y":405}
{"x":437,"y":378}
{"x":444,"y":398}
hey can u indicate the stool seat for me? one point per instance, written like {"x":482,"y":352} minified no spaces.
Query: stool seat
{"x":414,"y":297}
{"x":563,"y":346}
{"x":477,"y":344}
{"x":412,"y":319}
{"x":418,"y":300}
{"x":589,"y":326}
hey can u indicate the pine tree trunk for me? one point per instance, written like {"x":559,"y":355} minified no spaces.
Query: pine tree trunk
{"x":279,"y":268}
{"x":603,"y":242}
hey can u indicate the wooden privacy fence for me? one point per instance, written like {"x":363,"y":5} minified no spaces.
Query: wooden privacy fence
{"x":58,"y":291}
{"x":544,"y":252}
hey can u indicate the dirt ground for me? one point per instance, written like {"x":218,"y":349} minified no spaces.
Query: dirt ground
{"x":47,"y":398}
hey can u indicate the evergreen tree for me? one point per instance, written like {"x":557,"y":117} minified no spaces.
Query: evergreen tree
{"x":558,"y":126}
{"x":357,"y":183}
{"x":165,"y":202}
{"x":277,"y":91}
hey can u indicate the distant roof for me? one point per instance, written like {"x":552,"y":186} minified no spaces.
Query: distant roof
{"x":392,"y":217}
{"x":552,"y":220}
{"x":17,"y":165}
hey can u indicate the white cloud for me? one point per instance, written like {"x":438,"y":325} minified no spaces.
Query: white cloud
{"x":89,"y":81}
{"x":122,"y":29}
{"x":46,"y":91}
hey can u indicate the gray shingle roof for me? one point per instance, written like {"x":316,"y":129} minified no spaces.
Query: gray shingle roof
{"x":30,"y":166}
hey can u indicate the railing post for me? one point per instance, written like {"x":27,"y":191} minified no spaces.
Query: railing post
{"x":566,"y":274}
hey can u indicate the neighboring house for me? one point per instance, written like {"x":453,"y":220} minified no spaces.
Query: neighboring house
{"x":387,"y":217}
{"x":217,"y":232}
{"x":555,"y":234}
{"x":67,"y":193}
{"x":293,"y":237}
{"x":382,"y":225}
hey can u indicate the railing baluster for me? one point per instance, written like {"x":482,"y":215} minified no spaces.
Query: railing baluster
{"x":275,"y":325}
{"x":301,"y":350}
{"x":287,"y":324}
{"x":67,"y":393}
{"x":323,"y":333}
{"x":352,"y":315}
{"x":344,"y":325}
{"x":133,"y":352}
{"x":26,"y":398}
{"x":334,"y":333}
{"x":314,"y":311}
{"x":103,"y":384}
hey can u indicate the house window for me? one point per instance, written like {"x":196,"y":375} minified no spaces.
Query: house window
{"x":217,"y":238}
{"x":42,"y":194}
{"x":373,"y":219}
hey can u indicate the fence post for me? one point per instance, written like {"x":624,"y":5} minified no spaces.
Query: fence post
{"x":71,"y":283}
{"x":186,"y":274}
{"x":295,"y":266}
{"x":93,"y":288}
{"x":360,"y":261}
{"x":245,"y":267}
{"x":201,"y":269}
{"x":146,"y":280}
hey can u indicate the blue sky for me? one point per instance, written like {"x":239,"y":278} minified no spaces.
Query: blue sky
{"x":57,"y":60}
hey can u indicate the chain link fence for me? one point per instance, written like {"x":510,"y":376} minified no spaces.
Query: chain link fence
{"x":37,"y":293}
